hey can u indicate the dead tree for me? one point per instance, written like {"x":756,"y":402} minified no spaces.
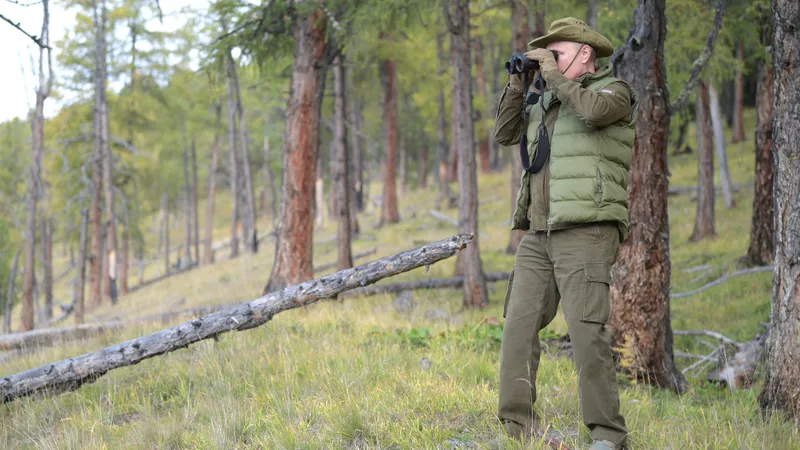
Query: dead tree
{"x":187,"y":203}
{"x":719,"y":146}
{"x":34,"y":182}
{"x":248,"y":210}
{"x":341,"y":178}
{"x":782,"y":384}
{"x":81,"y":281}
{"x":70,"y":374}
{"x":294,"y":243}
{"x":235,"y":184}
{"x":704,"y":219}
{"x":640,"y":317}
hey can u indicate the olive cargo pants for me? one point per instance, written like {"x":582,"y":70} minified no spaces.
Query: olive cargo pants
{"x":574,"y":266}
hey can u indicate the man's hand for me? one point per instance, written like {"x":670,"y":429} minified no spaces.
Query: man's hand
{"x":547,"y":62}
{"x":516,"y":80}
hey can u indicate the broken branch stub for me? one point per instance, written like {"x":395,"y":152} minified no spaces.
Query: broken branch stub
{"x":69,"y":374}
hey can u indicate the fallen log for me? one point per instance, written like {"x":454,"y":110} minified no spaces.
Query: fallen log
{"x":722,"y":280}
{"x":363,"y":254}
{"x":692,"y":190}
{"x":432,"y":283}
{"x":70,"y":374}
{"x":439,"y":216}
{"x":161,"y":277}
{"x":47,"y":336}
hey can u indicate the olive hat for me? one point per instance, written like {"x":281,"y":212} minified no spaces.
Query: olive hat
{"x":575,"y":30}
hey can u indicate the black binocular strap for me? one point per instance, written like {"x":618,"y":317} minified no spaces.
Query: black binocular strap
{"x":543,"y":144}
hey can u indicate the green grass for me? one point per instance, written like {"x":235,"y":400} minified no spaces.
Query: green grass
{"x":349,"y":374}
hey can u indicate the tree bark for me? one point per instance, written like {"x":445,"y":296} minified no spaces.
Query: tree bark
{"x":452,"y":164}
{"x":704,"y":219}
{"x":12,"y":281}
{"x":70,"y":374}
{"x":208,"y":256}
{"x":760,"y":250}
{"x":294,"y":244}
{"x":389,"y":212}
{"x":782,"y":384}
{"x":719,"y":146}
{"x":248,"y":208}
{"x":270,"y":194}
{"x":47,"y":243}
{"x":475,"y":293}
{"x":341,"y":178}
{"x":480,"y":80}
{"x":80,"y":285}
{"x":497,"y":161}
{"x":738,"y":106}
{"x":519,"y":30}
{"x":234,"y":164}
{"x":640,"y":317}
{"x":445,"y":193}
{"x":32,"y":198}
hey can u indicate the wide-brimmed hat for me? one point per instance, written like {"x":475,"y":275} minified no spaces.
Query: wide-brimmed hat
{"x":575,"y":30}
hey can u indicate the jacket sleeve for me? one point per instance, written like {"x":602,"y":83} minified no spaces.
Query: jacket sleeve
{"x":508,"y":122}
{"x":597,"y":109}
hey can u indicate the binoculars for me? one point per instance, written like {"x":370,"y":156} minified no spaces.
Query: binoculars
{"x":519,"y":63}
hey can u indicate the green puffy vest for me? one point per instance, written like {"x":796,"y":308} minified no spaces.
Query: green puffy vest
{"x":588,"y":167}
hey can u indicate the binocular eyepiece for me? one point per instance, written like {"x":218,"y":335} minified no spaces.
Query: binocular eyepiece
{"x":519,"y":63}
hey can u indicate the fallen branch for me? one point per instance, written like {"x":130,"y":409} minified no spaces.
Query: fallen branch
{"x":722,"y":280}
{"x":692,"y":190}
{"x":432,"y":283}
{"x":705,"y":359}
{"x":712,"y":334}
{"x":161,"y":277}
{"x":70,"y":374}
{"x":363,"y":254}
{"x":437,"y":215}
{"x":739,"y":371}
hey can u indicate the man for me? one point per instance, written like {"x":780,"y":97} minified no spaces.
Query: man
{"x":573,"y":207}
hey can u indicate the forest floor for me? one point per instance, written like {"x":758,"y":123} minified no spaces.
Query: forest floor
{"x":358,"y":373}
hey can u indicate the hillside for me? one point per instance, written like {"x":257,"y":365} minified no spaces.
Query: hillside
{"x":358,"y":374}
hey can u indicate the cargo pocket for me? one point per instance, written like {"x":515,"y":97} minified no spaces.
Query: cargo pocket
{"x":597,"y":300}
{"x":508,"y":293}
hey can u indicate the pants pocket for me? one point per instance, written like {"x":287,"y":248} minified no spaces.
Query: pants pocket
{"x":508,"y":293}
{"x":597,"y":296}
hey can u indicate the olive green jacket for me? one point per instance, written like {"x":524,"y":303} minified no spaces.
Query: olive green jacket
{"x":591,"y":124}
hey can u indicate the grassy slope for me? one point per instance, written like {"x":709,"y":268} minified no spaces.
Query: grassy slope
{"x":348,"y":374}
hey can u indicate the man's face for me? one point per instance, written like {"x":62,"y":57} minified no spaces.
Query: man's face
{"x":567,"y":51}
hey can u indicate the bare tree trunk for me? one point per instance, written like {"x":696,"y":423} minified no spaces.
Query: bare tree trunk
{"x":519,"y":44}
{"x":101,"y":115}
{"x":719,"y":146}
{"x":452,"y":165}
{"x":165,"y":227}
{"x":249,"y":205}
{"x":497,"y":161}
{"x":208,"y":257}
{"x":781,"y":391}
{"x":234,"y":165}
{"x":187,"y":204}
{"x":389,"y":212}
{"x":12,"y":281}
{"x":294,"y":243}
{"x":123,"y":270}
{"x":47,"y":253}
{"x":738,"y":105}
{"x":760,"y":251}
{"x":640,"y":317}
{"x":80,"y":285}
{"x":591,"y":14}
{"x":319,"y":196}
{"x":341,"y":178}
{"x":481,"y":83}
{"x":704,"y":220}
{"x":475,"y":293}
{"x":445,"y":193}
{"x":270,"y":194}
